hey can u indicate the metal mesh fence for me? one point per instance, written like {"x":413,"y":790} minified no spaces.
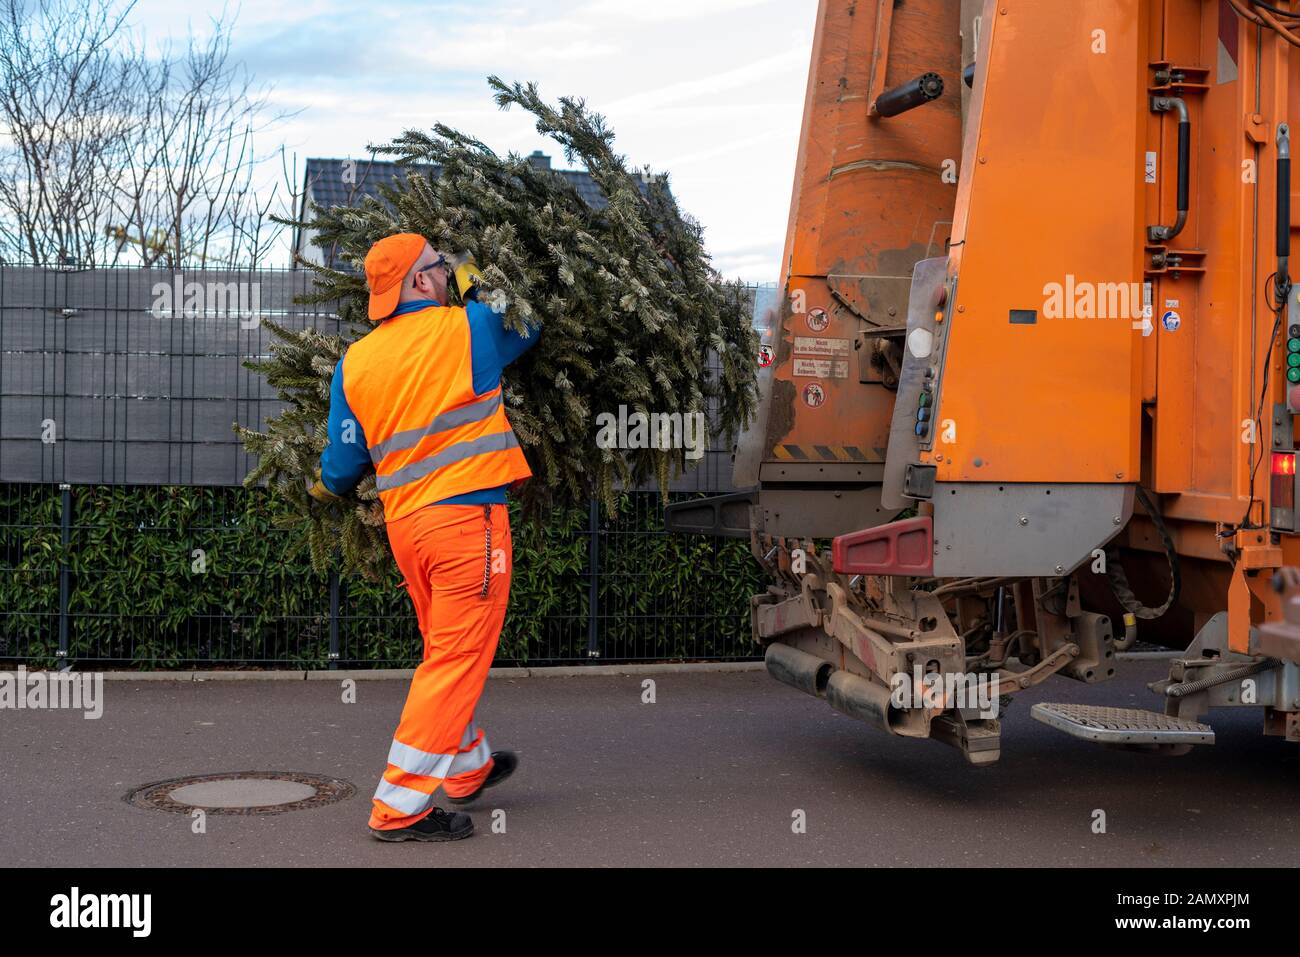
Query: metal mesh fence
{"x":180,"y":576}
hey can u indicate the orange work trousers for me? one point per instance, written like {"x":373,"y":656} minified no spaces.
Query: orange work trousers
{"x":456,"y":561}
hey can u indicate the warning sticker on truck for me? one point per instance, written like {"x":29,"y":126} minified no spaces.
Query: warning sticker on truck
{"x":821,"y":358}
{"x":821,"y":368}
{"x":817,"y":346}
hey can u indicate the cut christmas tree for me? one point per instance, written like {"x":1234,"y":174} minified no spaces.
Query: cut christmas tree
{"x":634,"y":317}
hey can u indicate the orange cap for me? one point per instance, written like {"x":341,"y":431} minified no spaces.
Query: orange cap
{"x":387,"y":264}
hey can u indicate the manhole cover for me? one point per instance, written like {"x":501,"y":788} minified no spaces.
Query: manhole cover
{"x":242,"y":792}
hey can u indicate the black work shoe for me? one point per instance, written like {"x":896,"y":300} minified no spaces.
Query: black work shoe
{"x":503,"y":765}
{"x":437,"y":826}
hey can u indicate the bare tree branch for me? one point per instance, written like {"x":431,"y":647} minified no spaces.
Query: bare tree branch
{"x":111,"y":153}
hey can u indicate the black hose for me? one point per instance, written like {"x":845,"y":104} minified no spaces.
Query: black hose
{"x":1119,"y":585}
{"x":1288,"y":14}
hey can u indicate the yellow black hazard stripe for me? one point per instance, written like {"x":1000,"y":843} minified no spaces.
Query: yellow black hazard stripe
{"x":820,"y":453}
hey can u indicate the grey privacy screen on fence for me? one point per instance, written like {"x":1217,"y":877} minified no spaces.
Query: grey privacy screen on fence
{"x":135,"y":376}
{"x":124,"y":537}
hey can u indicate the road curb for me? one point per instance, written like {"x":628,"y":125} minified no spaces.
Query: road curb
{"x":404,"y":674}
{"x":668,"y":668}
{"x":559,"y":671}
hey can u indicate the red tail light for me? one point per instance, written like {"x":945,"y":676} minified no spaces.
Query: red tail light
{"x":1282,"y":484}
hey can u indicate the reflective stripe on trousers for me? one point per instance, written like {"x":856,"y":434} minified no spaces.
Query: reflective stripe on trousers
{"x":474,"y":753}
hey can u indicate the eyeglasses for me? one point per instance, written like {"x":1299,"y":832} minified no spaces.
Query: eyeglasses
{"x":441,"y":261}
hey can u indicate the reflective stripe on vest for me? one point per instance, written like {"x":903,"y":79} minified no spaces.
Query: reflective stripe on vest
{"x":500,"y":442}
{"x":475,"y":412}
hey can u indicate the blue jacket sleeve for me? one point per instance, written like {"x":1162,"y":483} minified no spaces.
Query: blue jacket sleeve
{"x":346,"y":455}
{"x":492,"y":346}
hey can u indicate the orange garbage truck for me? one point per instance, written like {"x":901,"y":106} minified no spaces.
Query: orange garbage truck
{"x":1032,"y":386}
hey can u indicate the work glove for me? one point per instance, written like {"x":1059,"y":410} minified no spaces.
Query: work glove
{"x":321,"y":493}
{"x":467,"y":276}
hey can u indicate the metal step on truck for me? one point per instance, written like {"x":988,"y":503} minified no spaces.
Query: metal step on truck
{"x":1038,"y":354}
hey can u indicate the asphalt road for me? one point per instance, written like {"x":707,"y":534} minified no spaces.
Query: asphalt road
{"x":712,"y":773}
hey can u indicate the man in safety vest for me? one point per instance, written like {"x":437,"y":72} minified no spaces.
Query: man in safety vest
{"x":419,"y":398}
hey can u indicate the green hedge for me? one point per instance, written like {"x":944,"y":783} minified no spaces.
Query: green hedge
{"x":136,"y":597}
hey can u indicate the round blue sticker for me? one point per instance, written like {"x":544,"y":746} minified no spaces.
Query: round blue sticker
{"x":1171,"y":321}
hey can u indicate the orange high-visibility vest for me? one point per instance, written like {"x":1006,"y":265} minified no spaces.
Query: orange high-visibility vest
{"x":409,"y":383}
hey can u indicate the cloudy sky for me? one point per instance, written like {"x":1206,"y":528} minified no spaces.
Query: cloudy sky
{"x":709,"y":90}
